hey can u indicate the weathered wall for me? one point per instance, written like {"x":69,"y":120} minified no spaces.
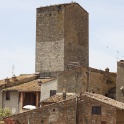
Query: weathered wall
{"x":73,"y":81}
{"x":87,"y":79}
{"x":13,"y":103}
{"x":85,"y":116}
{"x":0,"y":98}
{"x":61,"y":38}
{"x":46,"y":87}
{"x":50,"y":39}
{"x":76,"y":36}
{"x":120,"y":81}
{"x":102,"y":82}
{"x":119,"y":117}
{"x":59,"y":113}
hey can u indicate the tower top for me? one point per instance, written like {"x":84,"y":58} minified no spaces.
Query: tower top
{"x":58,"y":6}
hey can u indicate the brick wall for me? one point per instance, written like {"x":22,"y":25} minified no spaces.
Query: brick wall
{"x":59,"y":113}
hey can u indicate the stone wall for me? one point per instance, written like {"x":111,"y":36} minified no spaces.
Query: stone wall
{"x":61,"y":38}
{"x":120,"y":81}
{"x":119,"y":117}
{"x":50,"y":39}
{"x":73,"y":81}
{"x":0,"y":98}
{"x":87,"y":79}
{"x":76,"y":36}
{"x":59,"y":113}
{"x":85,"y":116}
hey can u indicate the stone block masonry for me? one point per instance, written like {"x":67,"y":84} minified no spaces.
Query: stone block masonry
{"x":61,"y":38}
{"x":59,"y":113}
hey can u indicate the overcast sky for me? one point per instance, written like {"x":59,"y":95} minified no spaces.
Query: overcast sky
{"x":18,"y":33}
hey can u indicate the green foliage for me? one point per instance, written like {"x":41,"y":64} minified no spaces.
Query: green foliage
{"x":4,"y":112}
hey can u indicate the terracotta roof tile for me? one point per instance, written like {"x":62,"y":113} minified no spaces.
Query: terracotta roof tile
{"x":27,"y":87}
{"x":19,"y":79}
{"x":59,"y":97}
{"x":106,"y":100}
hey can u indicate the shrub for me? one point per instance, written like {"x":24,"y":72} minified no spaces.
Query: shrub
{"x":4,"y":112}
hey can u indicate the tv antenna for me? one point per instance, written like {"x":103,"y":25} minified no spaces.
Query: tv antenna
{"x":117,"y":55}
{"x":13,"y":70}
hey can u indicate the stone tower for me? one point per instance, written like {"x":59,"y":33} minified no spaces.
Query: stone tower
{"x":61,"y":38}
{"x":120,"y":81}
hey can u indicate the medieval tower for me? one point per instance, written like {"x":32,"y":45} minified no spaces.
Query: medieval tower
{"x":61,"y":38}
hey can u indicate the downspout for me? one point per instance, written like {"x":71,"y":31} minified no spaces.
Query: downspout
{"x":76,"y":109}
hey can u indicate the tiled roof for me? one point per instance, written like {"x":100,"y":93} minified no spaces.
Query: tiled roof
{"x":27,"y":87}
{"x":106,"y":100}
{"x":19,"y":79}
{"x":59,"y":97}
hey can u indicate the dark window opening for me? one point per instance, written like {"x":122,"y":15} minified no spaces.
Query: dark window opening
{"x":53,"y":110}
{"x":103,"y":122}
{"x":96,"y":109}
{"x":52,"y":92}
{"x":42,"y":121}
{"x":29,"y":98}
{"x":7,"y":95}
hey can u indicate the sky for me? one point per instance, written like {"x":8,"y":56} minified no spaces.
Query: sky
{"x":18,"y":34}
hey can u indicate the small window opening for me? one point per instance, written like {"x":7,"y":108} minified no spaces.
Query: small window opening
{"x":96,"y":109}
{"x":52,"y":92}
{"x":103,"y":122}
{"x":7,"y":95}
{"x":53,"y":110}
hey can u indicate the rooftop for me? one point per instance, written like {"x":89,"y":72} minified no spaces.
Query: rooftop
{"x":59,"y":97}
{"x":52,"y":7}
{"x":106,"y":100}
{"x":19,"y":79}
{"x":27,"y":87}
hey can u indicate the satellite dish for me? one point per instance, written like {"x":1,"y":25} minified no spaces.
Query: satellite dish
{"x":13,"y":110}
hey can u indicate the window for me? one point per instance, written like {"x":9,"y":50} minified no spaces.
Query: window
{"x":103,"y":122}
{"x":52,"y":92}
{"x":96,"y":109}
{"x":7,"y":95}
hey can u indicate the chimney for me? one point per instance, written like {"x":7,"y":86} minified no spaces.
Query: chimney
{"x":7,"y":80}
{"x":14,"y":78}
{"x":39,"y":82}
{"x":64,"y":95}
{"x":107,"y":69}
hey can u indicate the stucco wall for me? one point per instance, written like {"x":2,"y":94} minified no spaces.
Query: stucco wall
{"x":13,"y":103}
{"x":46,"y":87}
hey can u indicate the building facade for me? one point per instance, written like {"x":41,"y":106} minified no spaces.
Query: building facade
{"x":61,"y":38}
{"x":120,"y":81}
{"x":88,"y":108}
